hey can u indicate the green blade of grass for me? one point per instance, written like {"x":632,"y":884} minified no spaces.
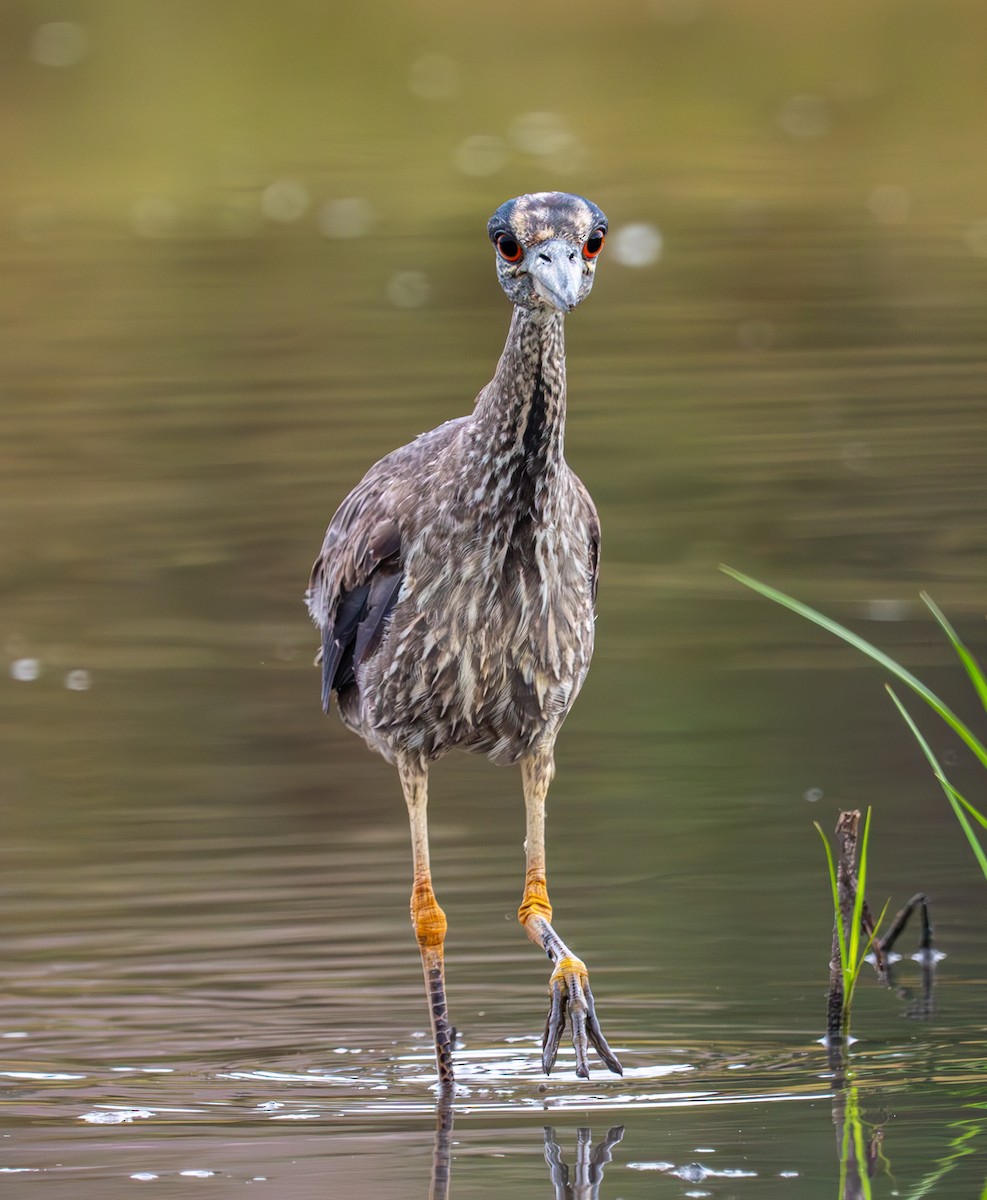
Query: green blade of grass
{"x":889,"y":664}
{"x":952,"y":795}
{"x":973,"y":668}
{"x":975,"y":813}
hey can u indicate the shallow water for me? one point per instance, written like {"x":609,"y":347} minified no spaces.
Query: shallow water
{"x":209,"y":977}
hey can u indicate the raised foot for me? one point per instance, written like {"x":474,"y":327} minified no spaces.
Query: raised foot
{"x":570,"y":992}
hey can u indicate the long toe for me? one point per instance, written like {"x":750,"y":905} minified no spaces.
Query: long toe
{"x":570,"y":992}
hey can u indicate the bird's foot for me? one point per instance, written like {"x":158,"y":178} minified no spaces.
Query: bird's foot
{"x":570,"y":991}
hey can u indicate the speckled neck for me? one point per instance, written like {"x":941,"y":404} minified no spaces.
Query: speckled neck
{"x":519,"y":420}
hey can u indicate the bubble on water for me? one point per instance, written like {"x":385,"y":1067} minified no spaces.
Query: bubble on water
{"x":59,"y":44}
{"x":637,"y":245}
{"x":25,"y":670}
{"x":481,"y":154}
{"x":144,"y":1176}
{"x":78,"y":680}
{"x":788,"y":1174}
{"x":15,"y":1033}
{"x":197,"y":1174}
{"x":434,"y":77}
{"x":805,"y":116}
{"x":409,"y":289}
{"x":347,"y":217}
{"x":889,"y":203}
{"x":285,"y":200}
{"x":813,"y":795}
{"x":154,"y":216}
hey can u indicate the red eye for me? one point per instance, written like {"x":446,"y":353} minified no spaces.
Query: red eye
{"x":510,"y":250}
{"x":594,"y":243}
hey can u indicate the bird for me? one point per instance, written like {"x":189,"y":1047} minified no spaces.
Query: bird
{"x":455,"y":595}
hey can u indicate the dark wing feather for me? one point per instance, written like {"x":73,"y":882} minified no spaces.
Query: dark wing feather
{"x":356,"y":580}
{"x":353,"y":629}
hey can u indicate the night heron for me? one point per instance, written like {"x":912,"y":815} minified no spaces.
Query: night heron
{"x":455,"y":591}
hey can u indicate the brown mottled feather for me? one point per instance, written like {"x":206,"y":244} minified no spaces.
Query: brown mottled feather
{"x":456,"y":583}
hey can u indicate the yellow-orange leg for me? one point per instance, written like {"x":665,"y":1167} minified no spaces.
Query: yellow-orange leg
{"x":569,"y":984}
{"x":428,"y":919}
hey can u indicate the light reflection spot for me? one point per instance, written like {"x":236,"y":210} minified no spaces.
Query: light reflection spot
{"x":481,"y":154}
{"x":541,"y":134}
{"x":889,"y":203}
{"x":886,"y":609}
{"x":59,"y":44}
{"x":434,"y":77}
{"x":79,"y":680}
{"x":347,"y":217}
{"x":637,"y":245}
{"x":154,"y":216}
{"x":805,"y":116}
{"x":284,"y":200}
{"x":409,"y":289}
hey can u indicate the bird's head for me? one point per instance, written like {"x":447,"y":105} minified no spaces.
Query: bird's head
{"x":547,"y":245}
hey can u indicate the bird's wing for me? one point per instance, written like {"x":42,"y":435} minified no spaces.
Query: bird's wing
{"x":592,"y":520}
{"x":356,"y":580}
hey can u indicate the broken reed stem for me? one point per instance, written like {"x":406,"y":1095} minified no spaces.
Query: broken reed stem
{"x":847,"y":837}
{"x":847,"y":834}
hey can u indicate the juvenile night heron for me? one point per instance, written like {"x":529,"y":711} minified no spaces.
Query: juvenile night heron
{"x":455,"y":591}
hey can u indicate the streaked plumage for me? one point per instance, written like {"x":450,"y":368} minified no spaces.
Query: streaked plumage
{"x":456,"y":584}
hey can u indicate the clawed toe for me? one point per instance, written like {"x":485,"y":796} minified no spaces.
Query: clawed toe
{"x":570,"y":992}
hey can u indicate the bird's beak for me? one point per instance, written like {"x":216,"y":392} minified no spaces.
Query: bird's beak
{"x":556,"y":269}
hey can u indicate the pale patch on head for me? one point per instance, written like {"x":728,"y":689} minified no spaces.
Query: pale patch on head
{"x":541,"y":216}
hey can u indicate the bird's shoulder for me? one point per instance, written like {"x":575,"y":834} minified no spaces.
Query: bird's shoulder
{"x":367,"y":527}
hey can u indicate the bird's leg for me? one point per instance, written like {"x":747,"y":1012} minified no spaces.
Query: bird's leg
{"x":427,"y":918}
{"x":569,"y":984}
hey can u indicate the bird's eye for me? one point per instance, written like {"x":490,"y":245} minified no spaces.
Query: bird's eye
{"x":594,"y":243}
{"x":510,"y":249}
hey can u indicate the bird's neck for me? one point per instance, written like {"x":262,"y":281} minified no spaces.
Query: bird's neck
{"x":519,"y":420}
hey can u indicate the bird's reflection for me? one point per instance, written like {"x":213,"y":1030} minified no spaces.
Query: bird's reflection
{"x":590,"y":1161}
{"x":580,"y":1183}
{"x":442,"y":1147}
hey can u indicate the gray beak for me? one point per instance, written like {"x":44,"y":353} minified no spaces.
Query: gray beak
{"x":556,"y":269}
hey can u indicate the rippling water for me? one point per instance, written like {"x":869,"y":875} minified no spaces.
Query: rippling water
{"x":209,"y":976}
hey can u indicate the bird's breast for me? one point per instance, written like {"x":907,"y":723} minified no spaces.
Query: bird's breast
{"x":490,"y":650}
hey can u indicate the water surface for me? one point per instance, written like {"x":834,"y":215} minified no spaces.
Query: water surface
{"x":210,"y":981}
